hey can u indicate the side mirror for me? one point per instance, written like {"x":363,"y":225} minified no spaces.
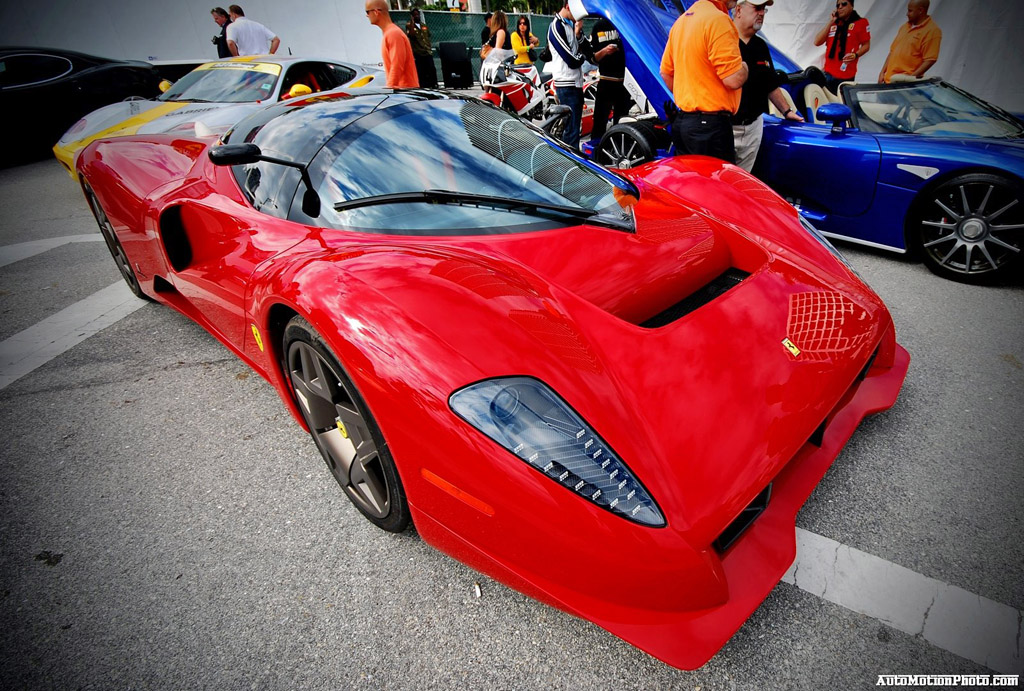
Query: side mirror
{"x":311,"y":203}
{"x":241,"y":154}
{"x":164,"y":85}
{"x":835,"y":113}
{"x":235,"y":154}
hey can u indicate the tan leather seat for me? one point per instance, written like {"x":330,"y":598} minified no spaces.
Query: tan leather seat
{"x":840,"y":97}
{"x":815,"y":96}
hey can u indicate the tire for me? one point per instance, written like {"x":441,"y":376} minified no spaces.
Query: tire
{"x":626,"y":145}
{"x":124,"y":265}
{"x":343,"y":428}
{"x":971,"y":228}
{"x":555,"y":124}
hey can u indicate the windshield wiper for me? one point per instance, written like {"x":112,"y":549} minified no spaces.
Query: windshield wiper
{"x":484,"y":200}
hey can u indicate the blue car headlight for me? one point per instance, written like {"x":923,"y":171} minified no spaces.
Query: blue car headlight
{"x":535,"y":424}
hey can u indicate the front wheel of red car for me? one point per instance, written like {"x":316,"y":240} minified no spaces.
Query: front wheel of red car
{"x":343,"y":428}
{"x":124,"y":265}
{"x":971,"y":228}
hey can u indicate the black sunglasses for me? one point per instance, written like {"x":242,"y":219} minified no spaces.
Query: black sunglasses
{"x":841,"y":4}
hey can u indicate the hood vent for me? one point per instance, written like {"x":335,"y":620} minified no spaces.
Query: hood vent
{"x":699,"y":298}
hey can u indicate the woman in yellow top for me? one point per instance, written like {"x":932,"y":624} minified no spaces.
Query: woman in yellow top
{"x":523,"y":41}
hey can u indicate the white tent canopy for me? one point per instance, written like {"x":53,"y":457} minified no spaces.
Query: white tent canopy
{"x":979,"y":45}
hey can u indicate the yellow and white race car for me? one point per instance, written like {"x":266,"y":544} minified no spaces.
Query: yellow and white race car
{"x":213,"y":97}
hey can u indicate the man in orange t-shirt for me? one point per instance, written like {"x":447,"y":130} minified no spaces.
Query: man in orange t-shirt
{"x":703,"y":67}
{"x":396,"y":50}
{"x":916,"y":46}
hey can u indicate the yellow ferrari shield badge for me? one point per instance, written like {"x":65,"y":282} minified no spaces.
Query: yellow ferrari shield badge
{"x":791,"y":347}
{"x":341,"y":427}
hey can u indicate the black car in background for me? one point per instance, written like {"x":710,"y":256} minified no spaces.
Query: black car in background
{"x":45,"y":91}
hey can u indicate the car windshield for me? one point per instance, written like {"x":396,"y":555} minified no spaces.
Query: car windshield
{"x":931,"y":109}
{"x":444,"y":167}
{"x":226,"y":82}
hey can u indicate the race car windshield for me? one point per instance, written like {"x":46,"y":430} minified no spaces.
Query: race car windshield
{"x":930,"y":108}
{"x":225,"y":82}
{"x":443,"y":167}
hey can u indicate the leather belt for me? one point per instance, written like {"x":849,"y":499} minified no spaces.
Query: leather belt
{"x":722,"y":113}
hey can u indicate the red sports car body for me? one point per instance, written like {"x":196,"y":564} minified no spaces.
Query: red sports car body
{"x":615,"y":403}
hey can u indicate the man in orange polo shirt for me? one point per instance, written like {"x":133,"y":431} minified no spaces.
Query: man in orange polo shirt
{"x":395,"y":49}
{"x":703,"y":67}
{"x":916,"y":46}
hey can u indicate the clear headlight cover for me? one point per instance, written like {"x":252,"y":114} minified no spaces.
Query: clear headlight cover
{"x":535,"y":424}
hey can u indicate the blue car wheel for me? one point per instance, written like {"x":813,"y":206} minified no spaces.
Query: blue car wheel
{"x":971,"y":228}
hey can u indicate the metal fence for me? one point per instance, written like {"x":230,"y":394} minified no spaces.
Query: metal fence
{"x":465,"y":27}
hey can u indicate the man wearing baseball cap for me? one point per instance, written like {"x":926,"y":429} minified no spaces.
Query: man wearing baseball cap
{"x":762,"y":84}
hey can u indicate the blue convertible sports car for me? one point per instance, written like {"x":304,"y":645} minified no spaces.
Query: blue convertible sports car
{"x":917,"y":167}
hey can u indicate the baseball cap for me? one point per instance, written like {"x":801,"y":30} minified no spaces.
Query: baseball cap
{"x":756,"y":3}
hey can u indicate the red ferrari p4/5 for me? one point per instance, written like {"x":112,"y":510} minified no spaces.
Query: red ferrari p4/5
{"x":609,"y":390}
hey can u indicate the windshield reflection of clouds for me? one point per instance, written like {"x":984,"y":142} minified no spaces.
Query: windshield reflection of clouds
{"x":458,"y":146}
{"x":283,"y":137}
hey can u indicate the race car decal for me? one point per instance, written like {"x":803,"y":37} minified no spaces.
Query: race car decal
{"x":264,"y":67}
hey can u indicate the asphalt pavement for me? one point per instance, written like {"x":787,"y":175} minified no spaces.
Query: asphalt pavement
{"x":164,"y":523}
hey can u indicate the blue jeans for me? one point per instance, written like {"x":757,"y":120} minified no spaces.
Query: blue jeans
{"x":571,"y":96}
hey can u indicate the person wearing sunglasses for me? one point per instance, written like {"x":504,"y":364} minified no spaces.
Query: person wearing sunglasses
{"x":847,"y":37}
{"x":395,"y":48}
{"x":763,"y":85}
{"x":524,"y":42}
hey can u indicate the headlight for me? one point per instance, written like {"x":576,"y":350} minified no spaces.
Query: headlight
{"x":74,"y":130}
{"x":816,"y":234}
{"x":531,"y":421}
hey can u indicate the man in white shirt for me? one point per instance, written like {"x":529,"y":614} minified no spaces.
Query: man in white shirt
{"x":246,"y":37}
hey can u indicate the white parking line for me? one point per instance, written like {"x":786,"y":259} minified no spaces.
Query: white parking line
{"x":40,"y":343}
{"x":946,"y":616}
{"x":23,"y":250}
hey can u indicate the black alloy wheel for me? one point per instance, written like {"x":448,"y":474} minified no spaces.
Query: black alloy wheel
{"x":626,"y":145}
{"x":124,"y":264}
{"x":971,"y":228}
{"x":343,"y":428}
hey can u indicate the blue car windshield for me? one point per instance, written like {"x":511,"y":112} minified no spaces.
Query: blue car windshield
{"x":930,"y":109}
{"x":455,"y":167}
